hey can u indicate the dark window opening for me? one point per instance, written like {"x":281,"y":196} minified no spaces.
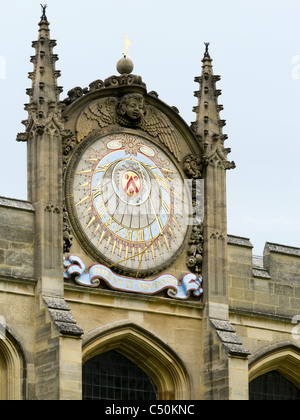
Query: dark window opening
{"x":273,"y":386}
{"x":111,"y":376}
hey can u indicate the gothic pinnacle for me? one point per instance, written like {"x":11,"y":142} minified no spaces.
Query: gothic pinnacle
{"x":208,"y":125}
{"x":44,"y":93}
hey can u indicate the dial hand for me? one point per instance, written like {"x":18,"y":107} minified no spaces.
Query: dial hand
{"x":161,"y":233}
{"x":142,"y":253}
{"x":136,"y":255}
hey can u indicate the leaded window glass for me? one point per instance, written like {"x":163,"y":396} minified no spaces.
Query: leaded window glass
{"x":273,"y":386}
{"x":111,"y":376}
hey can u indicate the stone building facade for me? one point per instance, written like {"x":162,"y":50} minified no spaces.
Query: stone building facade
{"x":85,"y":289}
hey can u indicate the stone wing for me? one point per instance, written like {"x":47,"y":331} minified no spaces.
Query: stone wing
{"x":99,"y":114}
{"x":158,"y":125}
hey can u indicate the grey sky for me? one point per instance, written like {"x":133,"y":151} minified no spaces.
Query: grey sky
{"x":255,"y":46}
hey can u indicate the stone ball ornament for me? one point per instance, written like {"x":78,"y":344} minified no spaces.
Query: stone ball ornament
{"x":125,"y":65}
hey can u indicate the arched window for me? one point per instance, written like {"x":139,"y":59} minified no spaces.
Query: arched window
{"x":153,"y":360}
{"x":111,"y":376}
{"x":3,"y":377}
{"x":273,"y":386}
{"x":11,"y":368}
{"x":274,"y":373}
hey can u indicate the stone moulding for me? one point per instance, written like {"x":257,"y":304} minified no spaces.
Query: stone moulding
{"x":62,"y":317}
{"x":17,"y":204}
{"x":230,"y":340}
{"x":282,"y":249}
{"x":238,"y":240}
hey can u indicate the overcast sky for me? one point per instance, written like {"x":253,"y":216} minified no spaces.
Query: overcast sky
{"x":255,"y":46}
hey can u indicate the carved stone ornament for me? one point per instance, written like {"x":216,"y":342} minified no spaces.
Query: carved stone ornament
{"x":51,"y":208}
{"x":217,"y":157}
{"x":195,"y":250}
{"x":67,"y":235}
{"x":69,"y":142}
{"x":131,"y":111}
{"x":78,"y":92}
{"x":192,"y":166}
{"x":123,"y":80}
{"x":52,"y":124}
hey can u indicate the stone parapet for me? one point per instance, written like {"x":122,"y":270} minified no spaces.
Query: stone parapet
{"x":267,"y":285}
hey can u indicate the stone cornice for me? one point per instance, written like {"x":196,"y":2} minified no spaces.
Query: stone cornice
{"x":17,"y":204}
{"x":282,"y":249}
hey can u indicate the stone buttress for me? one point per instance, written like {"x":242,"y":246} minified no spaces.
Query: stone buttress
{"x":223,"y":354}
{"x":58,"y":344}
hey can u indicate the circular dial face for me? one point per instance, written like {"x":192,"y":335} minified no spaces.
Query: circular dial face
{"x":130,"y":203}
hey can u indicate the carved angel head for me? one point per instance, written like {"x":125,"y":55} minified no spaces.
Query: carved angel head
{"x":132,"y":106}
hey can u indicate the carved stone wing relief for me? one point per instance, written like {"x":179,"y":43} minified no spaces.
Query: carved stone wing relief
{"x":107,"y":111}
{"x":158,"y":125}
{"x":97,"y":115}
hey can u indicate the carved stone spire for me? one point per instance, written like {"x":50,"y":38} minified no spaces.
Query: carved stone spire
{"x":44,"y":94}
{"x":44,"y":135}
{"x":208,"y":129}
{"x":208,"y":126}
{"x":44,"y":132}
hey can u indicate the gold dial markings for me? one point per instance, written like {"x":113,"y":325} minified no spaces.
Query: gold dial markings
{"x":153,"y":253}
{"x":101,"y":238}
{"x":97,"y":228}
{"x":87,"y":171}
{"x":83,"y":200}
{"x":90,"y":222}
{"x":126,"y":254}
{"x":113,"y":249}
{"x":86,"y":184}
{"x":175,"y":221}
{"x":167,"y":243}
{"x":108,"y":241}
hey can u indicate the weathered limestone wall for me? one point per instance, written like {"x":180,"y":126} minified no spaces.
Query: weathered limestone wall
{"x":16,"y":238}
{"x":264,"y":295}
{"x":17,"y":286}
{"x":47,"y":339}
{"x":174,"y":326}
{"x":57,"y":351}
{"x":268,"y":285}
